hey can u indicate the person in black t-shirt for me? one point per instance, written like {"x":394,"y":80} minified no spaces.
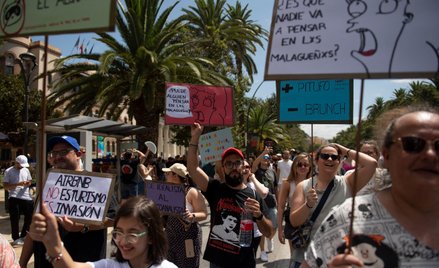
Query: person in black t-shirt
{"x":231,"y":198}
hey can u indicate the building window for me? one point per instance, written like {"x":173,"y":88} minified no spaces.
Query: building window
{"x":113,"y":147}
{"x":9,"y":64}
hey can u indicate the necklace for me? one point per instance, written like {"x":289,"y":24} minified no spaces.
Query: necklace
{"x":319,"y":191}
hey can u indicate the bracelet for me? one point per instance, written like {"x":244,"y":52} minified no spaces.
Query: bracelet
{"x":347,"y":152}
{"x":85,"y":229}
{"x":56,"y":258}
{"x":193,"y":145}
{"x":306,"y":203}
{"x":193,"y":217}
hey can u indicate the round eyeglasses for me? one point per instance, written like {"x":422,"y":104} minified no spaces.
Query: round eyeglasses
{"x":130,"y":238}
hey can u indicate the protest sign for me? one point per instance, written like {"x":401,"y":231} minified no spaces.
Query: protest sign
{"x":315,"y":101}
{"x":24,"y":18}
{"x":207,"y":105}
{"x":211,"y":145}
{"x":333,"y":39}
{"x":169,"y":198}
{"x":80,"y":195}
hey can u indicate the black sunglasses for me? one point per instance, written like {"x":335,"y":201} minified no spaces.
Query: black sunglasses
{"x":414,"y":145}
{"x":332,"y":156}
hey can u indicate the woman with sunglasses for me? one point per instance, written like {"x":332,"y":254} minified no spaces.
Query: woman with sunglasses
{"x":138,"y":235}
{"x":309,"y":192}
{"x":185,"y":232}
{"x":300,"y":170}
{"x":402,"y":222}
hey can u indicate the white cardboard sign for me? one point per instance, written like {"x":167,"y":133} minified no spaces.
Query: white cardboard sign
{"x":327,"y":39}
{"x":82,"y":196}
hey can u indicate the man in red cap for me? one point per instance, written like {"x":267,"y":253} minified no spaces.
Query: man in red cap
{"x":228,"y":201}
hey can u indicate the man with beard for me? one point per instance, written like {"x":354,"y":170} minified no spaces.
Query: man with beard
{"x":229,"y":198}
{"x":83,"y":242}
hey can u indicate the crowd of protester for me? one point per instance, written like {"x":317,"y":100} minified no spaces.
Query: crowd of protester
{"x":257,"y":194}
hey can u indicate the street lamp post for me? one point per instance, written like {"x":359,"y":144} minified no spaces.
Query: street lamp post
{"x":25,"y":60}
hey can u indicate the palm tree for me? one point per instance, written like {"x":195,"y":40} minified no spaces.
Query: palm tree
{"x":244,"y":48}
{"x":227,"y":35}
{"x":376,"y":108}
{"x":263,"y":123}
{"x":132,"y":72}
{"x":424,"y":92}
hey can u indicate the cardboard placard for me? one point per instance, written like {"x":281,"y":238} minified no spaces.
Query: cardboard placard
{"x":35,"y":17}
{"x":316,"y":101}
{"x":80,"y":195}
{"x":207,"y":105}
{"x":170,"y":198}
{"x":211,"y":145}
{"x":333,"y":39}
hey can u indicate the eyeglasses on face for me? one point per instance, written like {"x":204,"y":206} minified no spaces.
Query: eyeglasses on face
{"x":332,"y":156}
{"x":230,"y":164}
{"x":415,"y":145}
{"x":303,"y":165}
{"x":130,"y":238}
{"x":61,"y":153}
{"x":246,"y":166}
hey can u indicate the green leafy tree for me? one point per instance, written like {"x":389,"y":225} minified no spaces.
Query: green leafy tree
{"x":229,"y":36}
{"x":425,"y":92}
{"x":132,"y":72}
{"x":12,"y":102}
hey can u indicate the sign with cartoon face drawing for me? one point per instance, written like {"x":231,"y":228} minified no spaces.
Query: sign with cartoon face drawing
{"x":341,"y":39}
{"x":207,"y":105}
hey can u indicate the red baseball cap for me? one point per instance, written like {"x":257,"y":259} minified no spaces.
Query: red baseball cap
{"x":230,"y":151}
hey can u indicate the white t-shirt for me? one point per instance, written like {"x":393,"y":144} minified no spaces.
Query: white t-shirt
{"x":110,"y":263}
{"x":13,"y":176}
{"x":377,"y":233}
{"x":284,"y":167}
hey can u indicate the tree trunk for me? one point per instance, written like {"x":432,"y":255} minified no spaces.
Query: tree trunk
{"x":149,"y":118}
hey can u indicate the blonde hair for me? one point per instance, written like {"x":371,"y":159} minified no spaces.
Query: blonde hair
{"x":293,"y":173}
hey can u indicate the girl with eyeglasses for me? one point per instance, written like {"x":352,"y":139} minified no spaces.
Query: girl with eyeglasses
{"x":300,"y":170}
{"x":309,"y":192}
{"x":138,"y":235}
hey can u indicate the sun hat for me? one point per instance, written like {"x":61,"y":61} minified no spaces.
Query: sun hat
{"x":178,"y":169}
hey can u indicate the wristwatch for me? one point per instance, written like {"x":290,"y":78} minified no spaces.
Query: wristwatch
{"x":85,"y":229}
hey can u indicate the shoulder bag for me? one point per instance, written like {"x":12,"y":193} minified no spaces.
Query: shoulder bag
{"x":301,"y":235}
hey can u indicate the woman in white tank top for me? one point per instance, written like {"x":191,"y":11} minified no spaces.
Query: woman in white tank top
{"x":300,"y":170}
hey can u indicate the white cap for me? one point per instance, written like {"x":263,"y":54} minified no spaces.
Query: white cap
{"x":22,"y":160}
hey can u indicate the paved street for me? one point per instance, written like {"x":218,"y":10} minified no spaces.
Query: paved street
{"x":278,"y":258}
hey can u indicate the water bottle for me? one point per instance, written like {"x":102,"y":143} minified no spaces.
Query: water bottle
{"x":246,"y":229}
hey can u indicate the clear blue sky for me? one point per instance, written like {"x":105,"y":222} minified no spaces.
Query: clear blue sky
{"x":262,"y":13}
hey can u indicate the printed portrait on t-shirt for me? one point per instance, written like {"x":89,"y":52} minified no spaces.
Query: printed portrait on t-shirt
{"x":371,"y":250}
